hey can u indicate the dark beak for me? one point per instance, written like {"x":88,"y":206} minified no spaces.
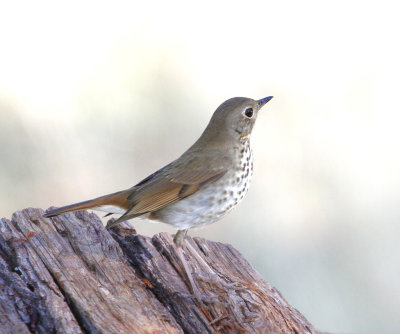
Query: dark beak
{"x":263,"y":101}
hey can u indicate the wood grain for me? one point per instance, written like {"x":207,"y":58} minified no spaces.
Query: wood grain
{"x":68,"y":274}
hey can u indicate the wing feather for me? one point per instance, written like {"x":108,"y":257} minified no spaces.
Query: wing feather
{"x":178,"y":180}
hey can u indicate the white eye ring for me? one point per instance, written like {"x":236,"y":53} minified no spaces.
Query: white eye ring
{"x":249,"y":112}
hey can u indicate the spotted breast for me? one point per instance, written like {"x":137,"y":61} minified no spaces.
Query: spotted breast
{"x":213,"y":202}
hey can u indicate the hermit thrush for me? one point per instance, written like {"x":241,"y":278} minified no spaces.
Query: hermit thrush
{"x":198,"y":188}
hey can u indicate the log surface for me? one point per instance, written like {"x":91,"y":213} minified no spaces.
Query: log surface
{"x":69,"y":274}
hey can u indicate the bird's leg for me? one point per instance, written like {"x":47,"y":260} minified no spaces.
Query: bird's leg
{"x":178,"y":240}
{"x":179,"y":237}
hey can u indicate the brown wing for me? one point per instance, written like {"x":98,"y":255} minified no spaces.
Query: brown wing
{"x":175,"y":181}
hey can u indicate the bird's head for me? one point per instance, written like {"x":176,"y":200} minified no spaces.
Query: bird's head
{"x":235,"y":118}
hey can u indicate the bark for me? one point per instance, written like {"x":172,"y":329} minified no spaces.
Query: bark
{"x":69,"y":274}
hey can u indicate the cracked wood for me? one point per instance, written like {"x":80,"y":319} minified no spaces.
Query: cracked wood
{"x":69,"y":274}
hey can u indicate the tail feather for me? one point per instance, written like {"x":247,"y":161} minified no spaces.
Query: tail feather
{"x":113,"y":203}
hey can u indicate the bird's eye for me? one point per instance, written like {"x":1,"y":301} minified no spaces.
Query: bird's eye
{"x":249,"y":112}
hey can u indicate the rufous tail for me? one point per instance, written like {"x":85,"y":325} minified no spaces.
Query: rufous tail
{"x":118,"y":199}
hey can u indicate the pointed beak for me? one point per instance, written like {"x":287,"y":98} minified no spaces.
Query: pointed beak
{"x":263,"y":101}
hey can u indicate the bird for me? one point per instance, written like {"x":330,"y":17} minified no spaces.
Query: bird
{"x":200,"y":187}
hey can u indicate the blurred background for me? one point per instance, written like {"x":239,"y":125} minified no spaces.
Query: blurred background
{"x":95,"y":95}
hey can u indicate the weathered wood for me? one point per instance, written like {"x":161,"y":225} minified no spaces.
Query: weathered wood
{"x":29,"y":293}
{"x":69,"y":274}
{"x":90,"y":271}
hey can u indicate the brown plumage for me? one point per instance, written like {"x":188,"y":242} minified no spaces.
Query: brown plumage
{"x":204,"y":163}
{"x":198,"y":188}
{"x":160,"y":189}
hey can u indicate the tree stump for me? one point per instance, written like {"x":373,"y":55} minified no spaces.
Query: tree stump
{"x":69,"y":274}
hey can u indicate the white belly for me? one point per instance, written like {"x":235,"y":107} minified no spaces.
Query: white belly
{"x":214,"y":201}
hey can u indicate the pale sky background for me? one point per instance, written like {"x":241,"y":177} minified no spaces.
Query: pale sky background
{"x":95,"y":95}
